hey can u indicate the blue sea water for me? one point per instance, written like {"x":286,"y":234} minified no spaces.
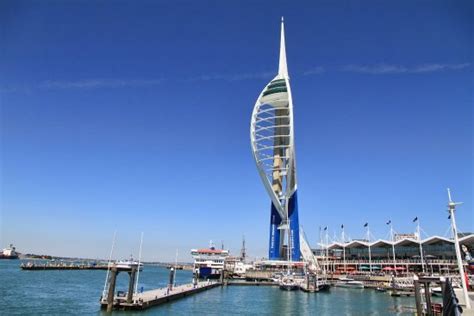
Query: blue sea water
{"x":77,"y":293}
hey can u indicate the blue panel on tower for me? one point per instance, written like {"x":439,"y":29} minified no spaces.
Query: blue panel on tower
{"x":294,"y":227}
{"x":274,"y":247}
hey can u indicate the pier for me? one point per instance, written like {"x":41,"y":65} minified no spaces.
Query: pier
{"x":61,"y":266}
{"x":134,"y":300}
{"x":156,"y":297}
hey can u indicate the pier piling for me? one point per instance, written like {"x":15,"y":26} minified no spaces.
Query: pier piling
{"x":110,"y":294}
{"x":131,"y":284}
{"x":171,"y":282}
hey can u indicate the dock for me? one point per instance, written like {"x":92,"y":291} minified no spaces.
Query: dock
{"x":133,"y":299}
{"x":156,"y":297}
{"x":61,"y":266}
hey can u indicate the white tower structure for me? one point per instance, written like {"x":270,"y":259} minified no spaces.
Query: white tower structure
{"x":272,"y":140}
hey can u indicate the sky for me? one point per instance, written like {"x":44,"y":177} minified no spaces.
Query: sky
{"x":133,"y":116}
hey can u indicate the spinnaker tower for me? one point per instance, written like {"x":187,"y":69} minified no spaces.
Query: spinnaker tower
{"x":272,"y":140}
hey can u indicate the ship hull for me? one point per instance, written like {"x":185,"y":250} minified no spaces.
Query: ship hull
{"x":209,"y":273}
{"x":8,"y":257}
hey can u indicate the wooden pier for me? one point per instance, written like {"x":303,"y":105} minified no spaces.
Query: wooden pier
{"x":156,"y":297}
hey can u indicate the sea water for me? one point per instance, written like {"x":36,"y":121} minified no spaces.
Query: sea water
{"x":76,"y":292}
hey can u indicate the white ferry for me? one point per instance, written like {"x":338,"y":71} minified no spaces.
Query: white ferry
{"x":9,"y":253}
{"x":209,"y":262}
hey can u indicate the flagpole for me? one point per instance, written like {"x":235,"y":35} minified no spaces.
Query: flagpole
{"x":327,"y":248}
{"x":421,"y":245}
{"x":321,"y":242}
{"x":370,"y":254}
{"x":344,"y":248}
{"x":393,"y":246}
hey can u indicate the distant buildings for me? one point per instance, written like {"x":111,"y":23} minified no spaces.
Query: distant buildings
{"x":437,"y":253}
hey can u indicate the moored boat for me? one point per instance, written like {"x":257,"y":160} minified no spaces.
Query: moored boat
{"x":288,"y":283}
{"x":349,"y":283}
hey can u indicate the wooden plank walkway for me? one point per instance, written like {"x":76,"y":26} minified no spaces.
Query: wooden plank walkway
{"x":159,"y":296}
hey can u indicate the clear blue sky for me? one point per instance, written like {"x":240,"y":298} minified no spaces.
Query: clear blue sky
{"x":134,"y":116}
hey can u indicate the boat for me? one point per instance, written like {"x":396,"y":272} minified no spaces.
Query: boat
{"x":288,"y":283}
{"x":209,"y":262}
{"x":349,"y":283}
{"x":314,"y":284}
{"x":9,"y":253}
{"x":437,"y":291}
{"x":322,"y":285}
{"x":126,"y":264}
{"x":381,"y":289}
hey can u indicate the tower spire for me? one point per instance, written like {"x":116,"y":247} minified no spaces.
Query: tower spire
{"x":283,"y":68}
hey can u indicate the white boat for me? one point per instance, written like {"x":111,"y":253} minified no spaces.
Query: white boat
{"x":288,"y":283}
{"x":126,"y":264}
{"x":349,"y":283}
{"x":437,"y":291}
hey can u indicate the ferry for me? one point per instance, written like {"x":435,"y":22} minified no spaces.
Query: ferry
{"x":9,"y":253}
{"x":349,"y":283}
{"x":209,"y":262}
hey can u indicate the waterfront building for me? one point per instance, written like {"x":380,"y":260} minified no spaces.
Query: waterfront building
{"x":272,"y":140}
{"x":438,"y":254}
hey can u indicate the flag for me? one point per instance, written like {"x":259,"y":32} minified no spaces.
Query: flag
{"x":449,"y":217}
{"x":342,"y":226}
{"x":415,"y":219}
{"x":366,"y":224}
{"x":326,"y":228}
{"x":389,"y":222}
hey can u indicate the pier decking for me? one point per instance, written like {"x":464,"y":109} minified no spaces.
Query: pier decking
{"x":158,"y":296}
